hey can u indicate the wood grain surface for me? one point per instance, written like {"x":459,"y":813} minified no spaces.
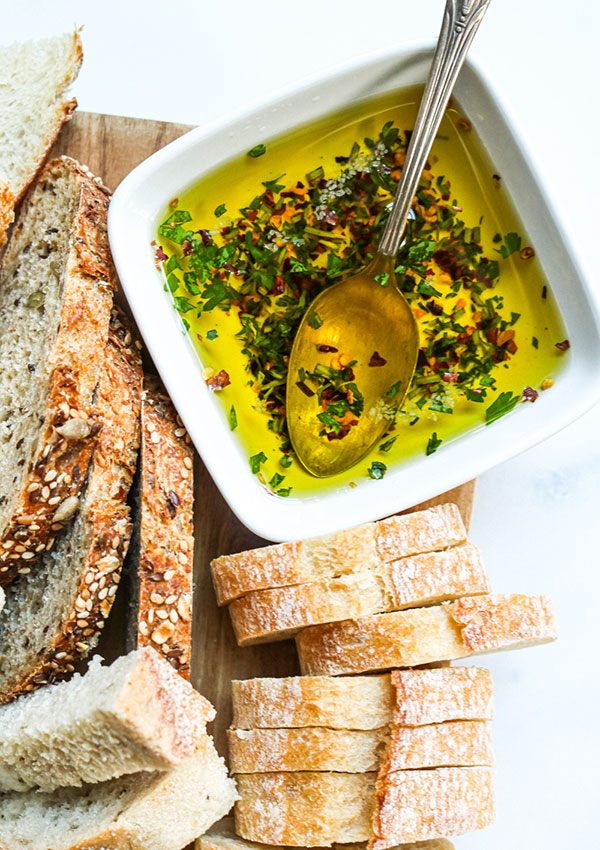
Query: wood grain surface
{"x":111,"y":146}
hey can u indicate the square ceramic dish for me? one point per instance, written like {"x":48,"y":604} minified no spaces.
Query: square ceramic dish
{"x":136,"y":211}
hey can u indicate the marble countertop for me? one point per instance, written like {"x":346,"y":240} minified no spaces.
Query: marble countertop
{"x":535,"y":517}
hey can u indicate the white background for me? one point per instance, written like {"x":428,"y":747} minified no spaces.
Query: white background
{"x":536,"y":518}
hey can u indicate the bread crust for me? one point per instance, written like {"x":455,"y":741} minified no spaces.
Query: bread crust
{"x":352,"y":550}
{"x":164,"y":615}
{"x":274,"y":614}
{"x":108,"y":515}
{"x":436,"y":696}
{"x":7,"y":206}
{"x":67,"y":436}
{"x":424,"y":635}
{"x":415,"y":805}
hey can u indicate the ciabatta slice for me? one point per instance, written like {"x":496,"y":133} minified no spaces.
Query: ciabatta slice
{"x":414,"y":581}
{"x":353,"y":550}
{"x":423,"y":635}
{"x":223,"y":837}
{"x":56,"y":289}
{"x":54,"y":616}
{"x":143,"y":811}
{"x":137,"y":714}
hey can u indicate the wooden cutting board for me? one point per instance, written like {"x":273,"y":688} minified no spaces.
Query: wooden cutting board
{"x":111,"y":147}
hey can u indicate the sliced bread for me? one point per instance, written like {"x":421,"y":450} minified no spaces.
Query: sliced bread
{"x":405,"y":697}
{"x":144,"y":811}
{"x":353,"y":550}
{"x":135,"y":715}
{"x":267,"y":615}
{"x":160,"y":565}
{"x":455,"y":743}
{"x":469,"y":626}
{"x":305,"y":809}
{"x":53,"y":617}
{"x":223,"y":837}
{"x":56,"y":290}
{"x":34,"y":76}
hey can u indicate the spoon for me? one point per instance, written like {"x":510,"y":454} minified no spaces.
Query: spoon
{"x":359,"y":337}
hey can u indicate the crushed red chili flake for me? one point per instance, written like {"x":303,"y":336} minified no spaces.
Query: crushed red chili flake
{"x":206,"y":237}
{"x":377,"y":359}
{"x":187,"y":247}
{"x":529,"y":394}
{"x":218,"y":382}
{"x":327,"y":348}
{"x":526,"y":253}
{"x":464,"y":124}
{"x":450,"y":377}
{"x":305,"y":388}
{"x":160,"y":254}
{"x":564,"y":345}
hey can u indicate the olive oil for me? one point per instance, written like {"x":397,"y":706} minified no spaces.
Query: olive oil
{"x":459,"y":156}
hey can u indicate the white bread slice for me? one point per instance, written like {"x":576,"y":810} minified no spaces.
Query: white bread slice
{"x":416,"y":805}
{"x":274,"y":614}
{"x":345,"y":552}
{"x":223,"y":837}
{"x":357,"y":702}
{"x":34,"y":77}
{"x":405,"y":697}
{"x":160,"y":565}
{"x":306,"y":749}
{"x":145,"y":811}
{"x":470,"y":626}
{"x":54,"y":616}
{"x":304,"y":809}
{"x":457,"y":743}
{"x":137,"y":714}
{"x":56,"y":290}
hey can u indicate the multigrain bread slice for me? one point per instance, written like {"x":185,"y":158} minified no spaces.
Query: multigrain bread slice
{"x":54,"y":616}
{"x":160,"y":566}
{"x":278,"y":613}
{"x":353,"y":550}
{"x":223,"y":837}
{"x":137,"y":714}
{"x":34,"y":77}
{"x":455,"y":743}
{"x":56,"y":289}
{"x":470,"y":626}
{"x":414,"y":805}
{"x":143,"y":811}
{"x":404,"y":697}
{"x":304,"y":809}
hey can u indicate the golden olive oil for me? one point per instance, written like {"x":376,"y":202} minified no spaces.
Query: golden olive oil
{"x":459,"y":156}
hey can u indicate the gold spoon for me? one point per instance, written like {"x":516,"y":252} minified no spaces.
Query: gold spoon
{"x":361,"y":333}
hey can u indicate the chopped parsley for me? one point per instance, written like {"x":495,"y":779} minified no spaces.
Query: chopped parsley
{"x":433,"y":444}
{"x":377,"y":470}
{"x":233,"y":420}
{"x":256,"y":460}
{"x":257,"y":150}
{"x":503,"y":404}
{"x":212,"y":334}
{"x":220,"y":210}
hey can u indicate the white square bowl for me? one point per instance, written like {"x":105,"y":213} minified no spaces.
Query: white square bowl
{"x":134,"y":216}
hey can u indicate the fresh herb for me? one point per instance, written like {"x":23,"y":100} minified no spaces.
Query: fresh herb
{"x":385,"y":447}
{"x":276,"y":480}
{"x":257,"y":150}
{"x":535,"y":342}
{"x":394,"y":390}
{"x":233,"y":420}
{"x":220,"y":210}
{"x":314,"y":320}
{"x":284,"y":491}
{"x":383,"y":279}
{"x":212,"y":334}
{"x":503,"y":404}
{"x":377,"y":470}
{"x":285,"y":461}
{"x":512,"y":243}
{"x":433,"y":444}
{"x":256,"y":460}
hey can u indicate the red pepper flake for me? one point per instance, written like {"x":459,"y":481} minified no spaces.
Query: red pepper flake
{"x":305,"y":388}
{"x":327,"y":348}
{"x":529,"y":394}
{"x":564,"y":345}
{"x":218,"y":382}
{"x":206,"y":238}
{"x":377,"y":359}
{"x":160,"y":254}
{"x":450,"y":377}
{"x":173,"y":202}
{"x":464,"y":124}
{"x":526,"y":253}
{"x":278,"y":286}
{"x":187,"y":248}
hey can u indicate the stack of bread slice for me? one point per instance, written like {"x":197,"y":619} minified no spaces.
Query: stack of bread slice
{"x":389,"y":759}
{"x":118,"y":758}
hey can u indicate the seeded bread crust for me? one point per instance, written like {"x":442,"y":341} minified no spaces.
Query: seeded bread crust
{"x":353,"y":550}
{"x":268,"y":615}
{"x":106,"y":524}
{"x":161,"y":603}
{"x":415,"y":805}
{"x":67,"y":435}
{"x":223,"y":837}
{"x":423,"y":635}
